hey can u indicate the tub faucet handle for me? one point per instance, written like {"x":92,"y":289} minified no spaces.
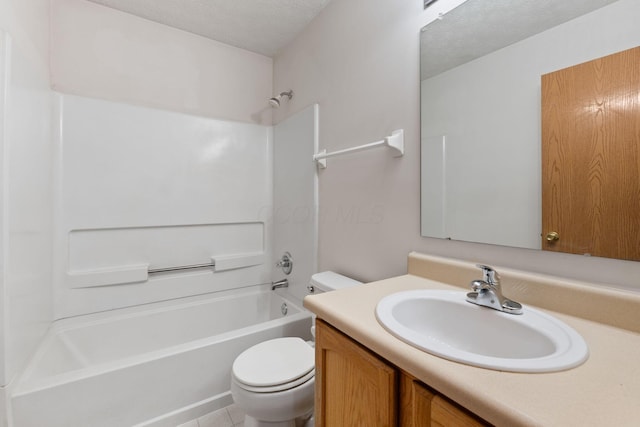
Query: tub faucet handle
{"x":285,"y":263}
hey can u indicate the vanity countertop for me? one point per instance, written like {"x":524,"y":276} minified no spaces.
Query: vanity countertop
{"x":604,"y":391}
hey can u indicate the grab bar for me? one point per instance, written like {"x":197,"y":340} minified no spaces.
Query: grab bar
{"x":219,"y":263}
{"x":111,"y":276}
{"x":395,"y":141}
{"x":181,"y":267}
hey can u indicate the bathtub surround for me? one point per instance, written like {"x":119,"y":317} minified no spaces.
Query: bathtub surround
{"x":295,"y":197}
{"x":186,"y":190}
{"x":25,"y":184}
{"x":140,"y":188}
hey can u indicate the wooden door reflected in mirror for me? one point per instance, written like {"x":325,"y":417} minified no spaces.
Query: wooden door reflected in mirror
{"x":591,"y":157}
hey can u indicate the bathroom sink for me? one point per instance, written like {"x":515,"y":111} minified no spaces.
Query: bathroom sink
{"x":444,"y":324}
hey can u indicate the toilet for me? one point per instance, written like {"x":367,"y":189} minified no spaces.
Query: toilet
{"x":273,"y":381}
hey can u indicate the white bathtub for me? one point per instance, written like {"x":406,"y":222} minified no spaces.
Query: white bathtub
{"x":156,"y":365}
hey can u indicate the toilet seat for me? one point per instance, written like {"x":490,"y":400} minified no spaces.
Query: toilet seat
{"x":280,"y":387}
{"x":274,"y":365}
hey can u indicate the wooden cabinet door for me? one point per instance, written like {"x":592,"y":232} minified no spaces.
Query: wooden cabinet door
{"x":415,"y":403}
{"x":591,"y":157}
{"x":422,"y":407}
{"x":354,"y":387}
{"x":445,"y":413}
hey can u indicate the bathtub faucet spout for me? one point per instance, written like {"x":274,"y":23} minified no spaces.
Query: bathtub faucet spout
{"x":284,"y":283}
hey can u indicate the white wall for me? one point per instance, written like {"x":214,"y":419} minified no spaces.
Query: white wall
{"x":489,"y":109}
{"x":359,"y":59}
{"x":104,"y":53}
{"x":26,"y":195}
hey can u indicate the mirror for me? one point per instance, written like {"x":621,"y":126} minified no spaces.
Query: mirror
{"x":481,"y":68}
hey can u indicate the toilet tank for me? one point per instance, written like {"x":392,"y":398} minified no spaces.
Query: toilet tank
{"x":325,"y":282}
{"x":330,"y":281}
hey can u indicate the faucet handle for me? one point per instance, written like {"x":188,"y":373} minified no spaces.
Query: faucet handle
{"x":285,"y":263}
{"x":489,"y":275}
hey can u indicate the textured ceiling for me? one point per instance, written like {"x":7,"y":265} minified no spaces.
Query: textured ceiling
{"x":262,"y":26}
{"x":479,"y":27}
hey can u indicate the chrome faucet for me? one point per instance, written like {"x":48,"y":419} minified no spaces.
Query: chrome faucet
{"x":284,"y":283}
{"x":487,"y":292}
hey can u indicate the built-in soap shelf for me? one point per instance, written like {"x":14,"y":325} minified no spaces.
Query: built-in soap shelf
{"x":140,"y":272}
{"x":108,"y":276}
{"x":108,"y":256}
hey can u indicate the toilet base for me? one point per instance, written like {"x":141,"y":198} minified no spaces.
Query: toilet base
{"x":287,"y":408}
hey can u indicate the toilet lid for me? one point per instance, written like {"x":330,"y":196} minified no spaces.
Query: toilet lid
{"x":274,"y":362}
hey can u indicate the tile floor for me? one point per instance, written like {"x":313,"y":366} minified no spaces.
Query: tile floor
{"x":231,"y":416}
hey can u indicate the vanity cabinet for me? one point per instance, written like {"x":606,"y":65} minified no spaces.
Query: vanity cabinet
{"x":356,"y":387}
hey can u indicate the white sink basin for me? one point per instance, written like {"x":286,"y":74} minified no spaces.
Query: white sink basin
{"x":444,"y":324}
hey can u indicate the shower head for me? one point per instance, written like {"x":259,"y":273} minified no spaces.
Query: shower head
{"x":275,"y":101}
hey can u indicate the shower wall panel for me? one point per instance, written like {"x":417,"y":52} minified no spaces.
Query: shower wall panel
{"x":25,"y":186}
{"x":295,"y":197}
{"x":140,"y":188}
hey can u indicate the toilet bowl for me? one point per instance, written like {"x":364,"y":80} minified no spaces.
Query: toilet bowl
{"x":273,"y":382}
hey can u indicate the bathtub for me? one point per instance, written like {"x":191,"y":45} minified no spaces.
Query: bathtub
{"x":156,"y":365}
